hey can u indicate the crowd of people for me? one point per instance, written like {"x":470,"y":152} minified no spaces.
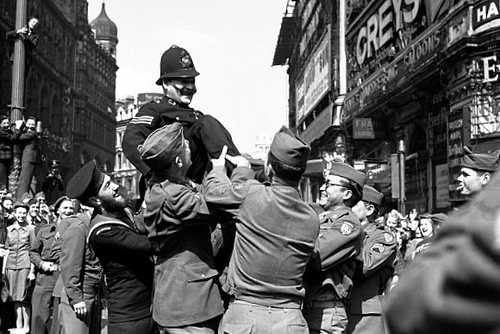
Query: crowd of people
{"x":221,"y":243}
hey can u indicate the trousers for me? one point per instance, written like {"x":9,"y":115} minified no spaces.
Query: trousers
{"x":243,"y":317}
{"x":326,"y":317}
{"x":42,"y":303}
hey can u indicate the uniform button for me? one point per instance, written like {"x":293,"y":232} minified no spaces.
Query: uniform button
{"x":177,"y":118}
{"x":203,"y":275}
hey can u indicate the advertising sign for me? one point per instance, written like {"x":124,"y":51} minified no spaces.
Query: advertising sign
{"x":485,"y":15}
{"x":314,"y":82}
{"x":363,"y":128}
{"x":442,"y":186}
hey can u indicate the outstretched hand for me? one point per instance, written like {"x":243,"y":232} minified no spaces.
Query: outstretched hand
{"x":221,"y":161}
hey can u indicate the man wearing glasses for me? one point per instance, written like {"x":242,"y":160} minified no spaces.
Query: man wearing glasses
{"x":329,"y":280}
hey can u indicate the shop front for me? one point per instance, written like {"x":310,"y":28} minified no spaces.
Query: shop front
{"x":422,"y":73}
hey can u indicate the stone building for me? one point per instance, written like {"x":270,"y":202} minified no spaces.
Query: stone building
{"x":71,"y":85}
{"x":421,"y":72}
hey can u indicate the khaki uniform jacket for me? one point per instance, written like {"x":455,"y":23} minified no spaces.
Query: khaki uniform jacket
{"x":178,"y":224}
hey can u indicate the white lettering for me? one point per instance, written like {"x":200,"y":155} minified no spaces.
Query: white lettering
{"x":396,"y":4}
{"x":361,"y":46}
{"x":385,"y":15}
{"x":372,"y":26}
{"x":489,"y":66}
{"x":481,"y":14}
{"x":493,"y":11}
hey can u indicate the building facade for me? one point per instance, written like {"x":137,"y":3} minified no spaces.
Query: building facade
{"x":124,"y":172}
{"x":423,"y":73}
{"x":70,"y":86}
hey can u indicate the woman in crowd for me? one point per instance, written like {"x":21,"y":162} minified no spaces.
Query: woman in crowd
{"x":18,"y":269}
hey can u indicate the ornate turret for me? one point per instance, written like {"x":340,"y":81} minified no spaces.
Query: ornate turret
{"x":106,"y":33}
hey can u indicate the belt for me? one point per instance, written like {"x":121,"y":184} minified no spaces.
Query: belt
{"x":277,"y":307}
{"x":324,"y":304}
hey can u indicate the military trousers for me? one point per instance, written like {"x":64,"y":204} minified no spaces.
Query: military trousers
{"x":205,"y":327}
{"x":243,"y":317}
{"x":42,"y":303}
{"x":326,"y":317}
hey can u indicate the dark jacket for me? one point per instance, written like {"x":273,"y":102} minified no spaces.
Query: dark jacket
{"x":331,"y":271}
{"x":125,"y":257}
{"x":80,"y":269}
{"x":6,"y":137}
{"x":178,"y":225}
{"x":28,"y":139}
{"x":206,"y":135}
{"x":275,"y":236}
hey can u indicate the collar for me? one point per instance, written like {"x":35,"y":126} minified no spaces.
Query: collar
{"x":277,"y":181}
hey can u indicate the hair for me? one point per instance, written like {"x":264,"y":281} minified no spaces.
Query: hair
{"x":285,"y":171}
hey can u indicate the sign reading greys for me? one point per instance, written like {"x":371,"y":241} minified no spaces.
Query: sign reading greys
{"x":485,"y":15}
{"x":314,"y":83}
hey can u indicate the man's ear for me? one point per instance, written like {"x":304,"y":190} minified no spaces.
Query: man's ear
{"x":94,"y":202}
{"x":347,"y":194}
{"x":178,"y":161}
{"x":370,"y":209}
{"x":485,"y":178}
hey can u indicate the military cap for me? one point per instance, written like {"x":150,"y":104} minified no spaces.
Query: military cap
{"x":162,"y":146}
{"x":437,"y":218}
{"x":346,"y":171}
{"x":480,"y":161}
{"x":371,"y":195}
{"x":176,"y":63}
{"x":86,"y":182}
{"x":289,"y":149}
{"x":19,"y":204}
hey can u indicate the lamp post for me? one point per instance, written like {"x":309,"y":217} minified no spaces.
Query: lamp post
{"x":17,"y":95}
{"x":401,"y":157}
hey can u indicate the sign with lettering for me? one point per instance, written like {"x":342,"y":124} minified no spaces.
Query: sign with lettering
{"x":442,"y":182}
{"x":363,"y":128}
{"x":485,"y":14}
{"x":315,"y":81}
{"x":458,"y":127}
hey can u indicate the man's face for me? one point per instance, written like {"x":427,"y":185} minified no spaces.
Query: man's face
{"x":113,"y":196}
{"x":360,"y":211}
{"x":66,"y":209}
{"x":31,"y":124}
{"x":180,"y":90}
{"x":333,"y":192}
{"x":5,"y":123}
{"x":471,"y":181}
{"x":33,"y":212}
{"x":20,"y":214}
{"x":426,"y":227}
{"x":33,"y":23}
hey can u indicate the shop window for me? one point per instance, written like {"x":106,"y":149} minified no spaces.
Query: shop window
{"x":485,"y":117}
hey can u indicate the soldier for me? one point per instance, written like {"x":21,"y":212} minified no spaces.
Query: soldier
{"x":476,"y":171}
{"x":123,"y":253}
{"x":338,"y":244}
{"x":186,"y":296}
{"x":205,"y":134}
{"x":454,"y":286}
{"x":276,"y":233}
{"x":378,"y":255}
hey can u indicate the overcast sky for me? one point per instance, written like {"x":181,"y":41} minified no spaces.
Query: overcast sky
{"x":232,"y":45}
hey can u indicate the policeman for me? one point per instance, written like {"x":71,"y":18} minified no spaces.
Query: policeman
{"x":206,"y":135}
{"x":378,"y":254}
{"x":338,"y":245}
{"x":475,"y":172}
{"x":123,"y":253}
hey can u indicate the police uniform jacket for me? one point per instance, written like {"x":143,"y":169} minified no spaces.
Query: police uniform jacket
{"x":125,"y":257}
{"x":275,"y":236}
{"x":206,"y":135}
{"x":178,"y":224}
{"x":378,"y":254}
{"x":80,"y":269}
{"x":332,"y":268}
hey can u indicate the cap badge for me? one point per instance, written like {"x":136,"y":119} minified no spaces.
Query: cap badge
{"x":186,"y":61}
